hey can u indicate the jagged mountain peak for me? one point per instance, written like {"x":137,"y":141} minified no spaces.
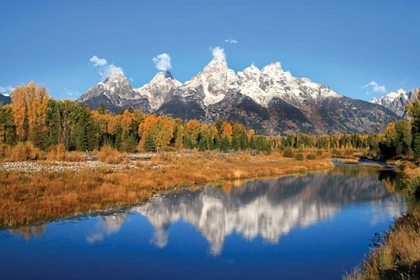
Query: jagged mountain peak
{"x":158,"y":89}
{"x":396,"y":100}
{"x":251,"y":71}
{"x":163,"y":76}
{"x":115,"y":93}
{"x":214,"y":81}
{"x":116,"y":76}
{"x":276,"y":66}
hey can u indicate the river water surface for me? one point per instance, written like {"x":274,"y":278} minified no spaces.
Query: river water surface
{"x":315,"y":226}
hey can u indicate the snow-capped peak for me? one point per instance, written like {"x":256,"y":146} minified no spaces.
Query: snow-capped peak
{"x":116,"y":76}
{"x":216,"y":80}
{"x":390,"y":97}
{"x":157,"y":90}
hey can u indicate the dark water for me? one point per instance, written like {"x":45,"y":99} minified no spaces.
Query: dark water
{"x":298,"y":227}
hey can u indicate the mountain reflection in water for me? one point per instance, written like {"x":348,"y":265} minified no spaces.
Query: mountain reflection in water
{"x":269,"y":208}
{"x":291,"y":228}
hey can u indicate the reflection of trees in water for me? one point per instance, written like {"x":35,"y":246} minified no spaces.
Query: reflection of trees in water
{"x":267,"y":208}
{"x":29,"y":231}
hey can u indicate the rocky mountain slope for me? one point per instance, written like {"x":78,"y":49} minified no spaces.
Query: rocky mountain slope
{"x":269,"y":100}
{"x":116,"y":93}
{"x":396,"y":101}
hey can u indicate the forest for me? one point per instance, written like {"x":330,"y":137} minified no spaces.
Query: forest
{"x":33,"y":116}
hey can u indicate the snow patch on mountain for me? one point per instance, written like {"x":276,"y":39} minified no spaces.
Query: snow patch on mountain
{"x":158,"y":89}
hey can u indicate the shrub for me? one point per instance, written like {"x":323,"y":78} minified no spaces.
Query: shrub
{"x":289,"y":153}
{"x":336,"y":152}
{"x":109,"y":155}
{"x":75,"y":157}
{"x":57,"y":152}
{"x":319,"y":153}
{"x":299,"y":157}
{"x":348,"y":152}
{"x":25,"y":151}
{"x":311,"y":157}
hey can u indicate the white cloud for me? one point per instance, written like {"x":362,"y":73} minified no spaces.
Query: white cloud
{"x":98,"y":61}
{"x":105,"y":71}
{"x":218,"y":53}
{"x":163,"y":62}
{"x":375,"y":87}
{"x":6,"y":89}
{"x":109,"y":70}
{"x":231,"y":41}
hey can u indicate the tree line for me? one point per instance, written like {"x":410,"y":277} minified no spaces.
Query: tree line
{"x":35,"y":117}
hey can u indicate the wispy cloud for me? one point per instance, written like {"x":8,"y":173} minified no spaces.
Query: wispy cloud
{"x":163,"y":62}
{"x":98,"y":61}
{"x":6,"y":89}
{"x":218,"y":53}
{"x":375,"y":87}
{"x":231,"y":41}
{"x":105,"y":70}
{"x":109,"y":70}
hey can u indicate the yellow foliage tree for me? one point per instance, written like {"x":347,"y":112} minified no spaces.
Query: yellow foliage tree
{"x":227,"y":131}
{"x":29,"y":106}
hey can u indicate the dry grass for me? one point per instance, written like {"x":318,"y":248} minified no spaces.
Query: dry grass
{"x":31,"y":198}
{"x":108,"y":154}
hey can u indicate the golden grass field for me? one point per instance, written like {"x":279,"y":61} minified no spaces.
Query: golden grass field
{"x":34,"y":197}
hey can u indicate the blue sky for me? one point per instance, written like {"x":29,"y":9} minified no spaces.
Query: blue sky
{"x":344,"y":44}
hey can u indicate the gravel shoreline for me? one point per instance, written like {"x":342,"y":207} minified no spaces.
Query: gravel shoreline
{"x":59,"y":166}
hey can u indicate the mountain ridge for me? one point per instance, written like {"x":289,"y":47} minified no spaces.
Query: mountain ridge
{"x":270,"y":100}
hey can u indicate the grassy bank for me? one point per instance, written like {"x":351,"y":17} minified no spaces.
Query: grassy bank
{"x":397,"y":253}
{"x":32,"y":197}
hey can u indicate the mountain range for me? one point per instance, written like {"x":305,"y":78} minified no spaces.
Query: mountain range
{"x":269,"y":100}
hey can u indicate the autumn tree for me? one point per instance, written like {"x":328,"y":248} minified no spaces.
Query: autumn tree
{"x":192,"y":130}
{"x":29,"y":106}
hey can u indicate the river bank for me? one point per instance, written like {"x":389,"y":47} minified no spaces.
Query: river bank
{"x":34,"y":192}
{"x":396,"y":253}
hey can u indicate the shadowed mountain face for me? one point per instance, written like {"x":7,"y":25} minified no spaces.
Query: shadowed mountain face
{"x":266,"y":208}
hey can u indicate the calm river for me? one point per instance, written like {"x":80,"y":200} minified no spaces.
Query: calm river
{"x":315,"y":226}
